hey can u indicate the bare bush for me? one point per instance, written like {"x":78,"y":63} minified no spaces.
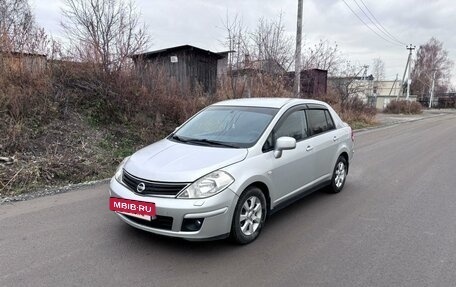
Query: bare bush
{"x":352,"y":110}
{"x":348,"y":84}
{"x":403,"y":107}
{"x":24,"y":95}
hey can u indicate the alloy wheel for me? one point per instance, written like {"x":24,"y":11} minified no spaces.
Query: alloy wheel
{"x":340,"y":174}
{"x":250,"y":216}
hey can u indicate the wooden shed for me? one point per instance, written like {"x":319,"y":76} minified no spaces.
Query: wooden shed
{"x":314,"y":82}
{"x":22,"y":62}
{"x":187,"y":65}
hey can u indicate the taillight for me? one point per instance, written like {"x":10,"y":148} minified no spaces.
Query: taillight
{"x":353,"y":135}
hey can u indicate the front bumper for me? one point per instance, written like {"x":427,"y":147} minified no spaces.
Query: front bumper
{"x":216,"y":210}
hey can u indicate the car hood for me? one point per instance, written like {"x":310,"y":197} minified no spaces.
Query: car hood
{"x":170,"y":161}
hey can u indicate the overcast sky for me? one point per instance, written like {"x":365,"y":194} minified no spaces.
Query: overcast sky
{"x":199,"y":23}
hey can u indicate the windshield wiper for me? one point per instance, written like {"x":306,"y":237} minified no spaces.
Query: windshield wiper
{"x":178,"y":138}
{"x":212,"y":142}
{"x":203,"y":141}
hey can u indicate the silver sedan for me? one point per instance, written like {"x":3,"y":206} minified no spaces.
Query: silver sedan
{"x":227,"y":168}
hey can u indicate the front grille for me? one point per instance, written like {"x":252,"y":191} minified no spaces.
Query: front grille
{"x":153,"y":187}
{"x":160,"y":222}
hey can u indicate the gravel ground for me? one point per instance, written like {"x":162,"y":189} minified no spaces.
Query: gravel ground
{"x":52,"y":191}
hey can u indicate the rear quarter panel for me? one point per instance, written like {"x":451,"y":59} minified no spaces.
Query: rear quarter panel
{"x":345,"y":144}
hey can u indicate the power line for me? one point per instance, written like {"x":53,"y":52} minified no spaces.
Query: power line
{"x":370,"y":28}
{"x":375,"y":24}
{"x":379,"y":23}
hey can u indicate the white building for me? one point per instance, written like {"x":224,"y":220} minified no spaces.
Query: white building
{"x":385,"y":91}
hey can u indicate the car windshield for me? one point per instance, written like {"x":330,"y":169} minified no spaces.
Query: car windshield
{"x":223,"y":126}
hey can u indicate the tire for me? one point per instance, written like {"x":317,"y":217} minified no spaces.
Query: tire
{"x":249,"y":216}
{"x":339,"y":175}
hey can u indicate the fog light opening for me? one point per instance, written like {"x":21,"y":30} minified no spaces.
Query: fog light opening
{"x":192,"y":224}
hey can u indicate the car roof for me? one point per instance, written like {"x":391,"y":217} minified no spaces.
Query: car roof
{"x":266,"y":102}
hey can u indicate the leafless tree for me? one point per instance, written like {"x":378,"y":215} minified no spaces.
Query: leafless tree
{"x":378,"y":69}
{"x":323,"y":55}
{"x":271,"y":44}
{"x":348,"y":84}
{"x":18,"y":30}
{"x":237,"y":43}
{"x":431,"y":57}
{"x":106,"y":32}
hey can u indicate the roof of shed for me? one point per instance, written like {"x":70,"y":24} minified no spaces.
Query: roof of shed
{"x":219,"y":55}
{"x":16,"y":54}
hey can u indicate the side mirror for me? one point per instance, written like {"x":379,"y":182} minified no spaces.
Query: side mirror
{"x":284,"y":143}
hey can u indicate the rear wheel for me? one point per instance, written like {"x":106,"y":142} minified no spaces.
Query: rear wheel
{"x":249,"y":216}
{"x":339,"y":175}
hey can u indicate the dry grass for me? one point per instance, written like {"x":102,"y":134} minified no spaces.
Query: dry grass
{"x":74,"y":123}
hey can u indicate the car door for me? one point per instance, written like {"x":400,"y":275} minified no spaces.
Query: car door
{"x":322,"y":130}
{"x":294,"y":169}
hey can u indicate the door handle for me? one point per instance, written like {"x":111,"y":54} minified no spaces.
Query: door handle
{"x":309,"y":148}
{"x":335,"y":138}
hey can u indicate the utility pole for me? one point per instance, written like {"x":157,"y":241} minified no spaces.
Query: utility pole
{"x":401,"y":91}
{"x":407,"y":68}
{"x":394,"y":84}
{"x":409,"y":81}
{"x":365,"y":67}
{"x":365,"y":83}
{"x":432,"y":89}
{"x":297,"y":80}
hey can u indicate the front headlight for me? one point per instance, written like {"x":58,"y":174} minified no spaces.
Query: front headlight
{"x":208,"y":185}
{"x":118,"y":174}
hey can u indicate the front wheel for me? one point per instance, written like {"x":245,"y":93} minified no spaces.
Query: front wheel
{"x":249,"y":216}
{"x":339,"y":175}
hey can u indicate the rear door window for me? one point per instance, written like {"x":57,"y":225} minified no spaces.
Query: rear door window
{"x":319,"y":121}
{"x":329,"y":120}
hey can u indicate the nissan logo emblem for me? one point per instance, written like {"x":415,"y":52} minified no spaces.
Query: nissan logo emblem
{"x":141,"y":187}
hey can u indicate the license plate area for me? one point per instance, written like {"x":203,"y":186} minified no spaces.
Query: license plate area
{"x":140,"y":216}
{"x":139,"y":209}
